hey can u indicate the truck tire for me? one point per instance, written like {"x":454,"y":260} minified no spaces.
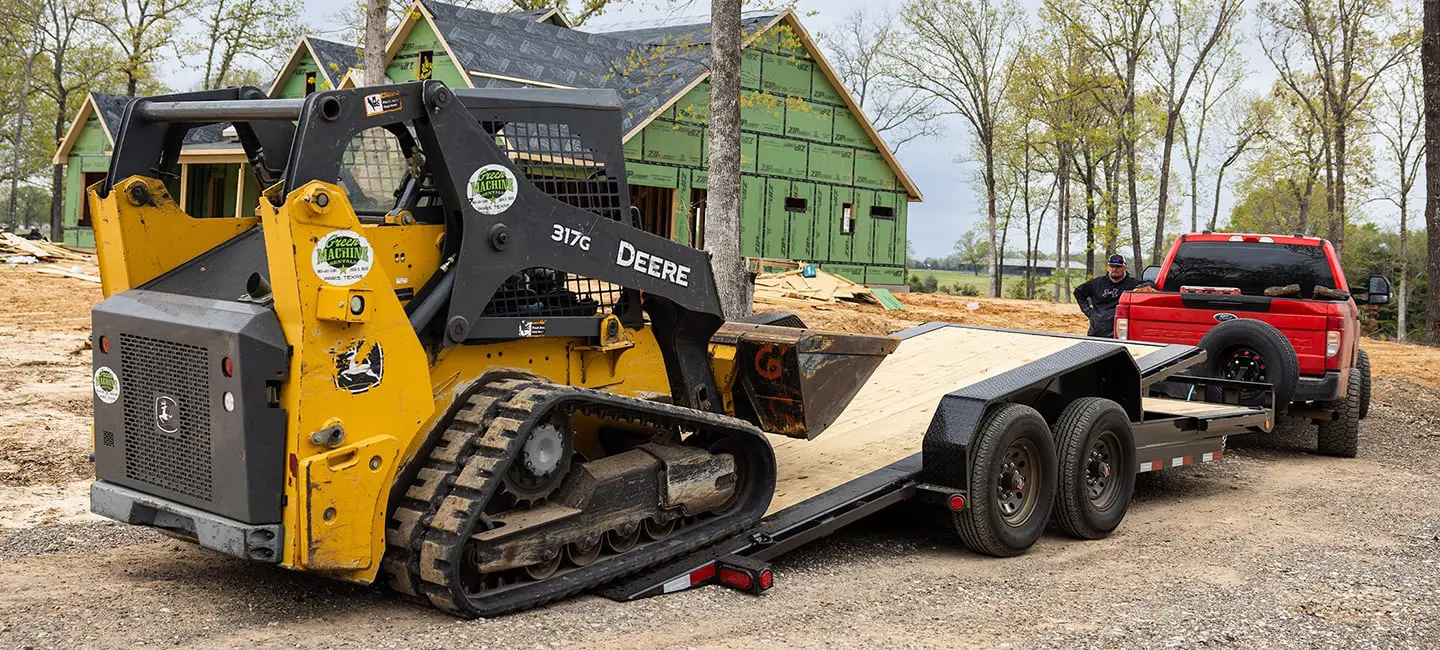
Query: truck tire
{"x":1252,"y":350}
{"x":1340,"y":436}
{"x":1362,"y":365}
{"x":1096,"y":452}
{"x":1012,"y":483}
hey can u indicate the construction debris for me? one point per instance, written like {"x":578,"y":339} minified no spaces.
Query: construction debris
{"x":793,"y":288}
{"x":17,"y":250}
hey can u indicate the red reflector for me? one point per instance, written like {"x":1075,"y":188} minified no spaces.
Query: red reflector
{"x":702,"y":574}
{"x":104,"y":345}
{"x":735,"y":578}
{"x":227,"y":366}
{"x":957,"y":502}
{"x":767,"y":579}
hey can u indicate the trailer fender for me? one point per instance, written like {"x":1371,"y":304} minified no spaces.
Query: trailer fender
{"x":1048,"y":384}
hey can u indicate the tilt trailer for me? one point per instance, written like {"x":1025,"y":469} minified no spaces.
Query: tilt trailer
{"x":1004,"y":428}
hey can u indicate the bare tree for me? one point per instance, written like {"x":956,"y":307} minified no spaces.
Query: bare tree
{"x":1343,"y":46}
{"x":237,"y":32}
{"x":140,"y":28}
{"x":1398,"y":122}
{"x":1187,"y":41}
{"x":1217,"y":81}
{"x":1430,"y":71}
{"x":77,"y":63}
{"x":858,"y":49}
{"x":1120,"y":30}
{"x":962,"y":53}
{"x":1244,"y":132}
{"x":722,"y":218}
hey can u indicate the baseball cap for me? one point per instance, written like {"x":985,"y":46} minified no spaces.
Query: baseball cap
{"x":1117,"y":260}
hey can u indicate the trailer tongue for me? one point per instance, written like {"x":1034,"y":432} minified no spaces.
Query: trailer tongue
{"x":927,"y":425}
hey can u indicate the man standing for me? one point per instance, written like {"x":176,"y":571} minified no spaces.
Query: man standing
{"x":1097,"y":298}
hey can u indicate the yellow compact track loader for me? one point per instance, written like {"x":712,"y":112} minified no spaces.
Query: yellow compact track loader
{"x":440,"y":353}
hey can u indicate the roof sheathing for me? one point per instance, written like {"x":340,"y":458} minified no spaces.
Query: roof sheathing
{"x":334,"y":59}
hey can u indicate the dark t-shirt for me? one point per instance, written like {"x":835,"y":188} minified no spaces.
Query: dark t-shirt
{"x":1097,"y":299}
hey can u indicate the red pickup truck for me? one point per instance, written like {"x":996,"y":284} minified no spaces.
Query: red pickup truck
{"x":1266,"y":308}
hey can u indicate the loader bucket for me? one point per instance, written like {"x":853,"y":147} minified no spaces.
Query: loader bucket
{"x":795,"y":382}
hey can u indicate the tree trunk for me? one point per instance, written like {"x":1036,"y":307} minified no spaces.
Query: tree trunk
{"x":1062,"y":221}
{"x":1337,"y":214}
{"x":1168,"y":146}
{"x":1112,"y":209}
{"x":1430,"y":71}
{"x":57,"y":177}
{"x":988,"y":141}
{"x":1304,"y":225}
{"x":722,"y":216}
{"x":375,"y":33}
{"x":1400,"y":333}
{"x":1215,"y":211}
{"x":20,"y":133}
{"x":1029,"y":231}
{"x":1194,"y":199}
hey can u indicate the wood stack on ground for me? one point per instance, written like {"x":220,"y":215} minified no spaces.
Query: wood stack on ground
{"x":46,"y":257}
{"x":792,"y":288}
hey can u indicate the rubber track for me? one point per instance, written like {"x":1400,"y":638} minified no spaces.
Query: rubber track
{"x":428,"y":531}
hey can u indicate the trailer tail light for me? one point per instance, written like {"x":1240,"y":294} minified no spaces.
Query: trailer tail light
{"x":956,"y":502}
{"x":736,"y":578}
{"x":745,"y":574}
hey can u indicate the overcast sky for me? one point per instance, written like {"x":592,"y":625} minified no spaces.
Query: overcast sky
{"x":953,"y":198}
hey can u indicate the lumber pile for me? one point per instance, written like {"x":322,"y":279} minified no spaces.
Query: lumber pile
{"x":794,"y":289}
{"x":47,"y":258}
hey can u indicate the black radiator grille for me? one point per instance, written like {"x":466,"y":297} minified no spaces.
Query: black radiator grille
{"x":152,"y":371}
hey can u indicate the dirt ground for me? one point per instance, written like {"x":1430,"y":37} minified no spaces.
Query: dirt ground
{"x":1272,"y":547}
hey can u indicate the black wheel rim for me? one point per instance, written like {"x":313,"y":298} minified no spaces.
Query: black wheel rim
{"x":1245,"y":364}
{"x":1017,"y":485}
{"x":1102,"y":483}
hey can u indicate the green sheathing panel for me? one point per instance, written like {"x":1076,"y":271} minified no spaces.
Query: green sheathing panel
{"x":777,"y":220}
{"x":752,"y":215}
{"x":293,"y":87}
{"x":420,"y":39}
{"x":682,"y":209}
{"x":91,"y":139}
{"x":797,"y":140}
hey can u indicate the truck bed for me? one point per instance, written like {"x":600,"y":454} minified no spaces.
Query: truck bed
{"x":887,"y":419}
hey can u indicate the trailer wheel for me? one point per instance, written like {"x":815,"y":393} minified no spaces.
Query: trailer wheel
{"x":1250,"y":350}
{"x":1012,"y":483}
{"x":1340,"y":436}
{"x":1096,"y":450}
{"x":1362,"y":365}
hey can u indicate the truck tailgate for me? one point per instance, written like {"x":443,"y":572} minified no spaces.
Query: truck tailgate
{"x":1185,"y":318}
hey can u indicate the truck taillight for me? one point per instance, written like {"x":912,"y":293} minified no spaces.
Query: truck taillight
{"x":1332,"y":343}
{"x":1122,"y":328}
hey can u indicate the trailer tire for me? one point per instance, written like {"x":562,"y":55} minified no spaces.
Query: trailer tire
{"x":1362,"y":365}
{"x":1233,"y":344}
{"x":1096,"y":450}
{"x":1340,"y":436}
{"x":1012,"y":483}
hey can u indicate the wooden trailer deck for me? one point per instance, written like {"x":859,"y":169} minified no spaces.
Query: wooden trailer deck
{"x":887,"y":419}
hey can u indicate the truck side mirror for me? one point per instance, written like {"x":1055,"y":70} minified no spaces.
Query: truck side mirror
{"x":1379,"y":290}
{"x":1150,"y":274}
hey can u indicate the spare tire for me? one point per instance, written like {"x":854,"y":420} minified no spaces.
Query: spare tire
{"x":1250,"y":350}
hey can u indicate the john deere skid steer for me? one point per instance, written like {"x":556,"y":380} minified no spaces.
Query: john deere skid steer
{"x":440,"y":353}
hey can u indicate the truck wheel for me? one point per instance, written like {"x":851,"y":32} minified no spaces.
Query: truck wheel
{"x":1250,"y":350}
{"x":1340,"y":436}
{"x":1012,"y":483}
{"x":1362,"y":365}
{"x":1097,"y":467}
